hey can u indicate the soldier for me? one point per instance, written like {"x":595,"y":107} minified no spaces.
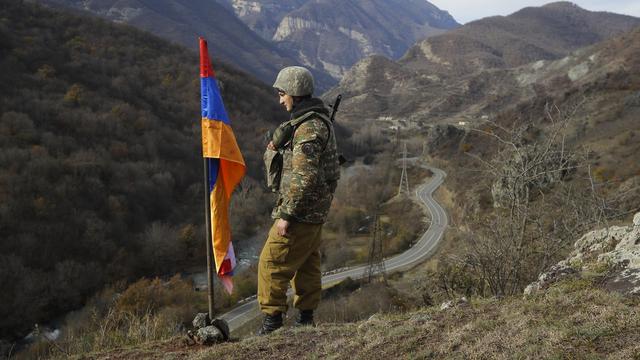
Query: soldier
{"x":308,"y":179}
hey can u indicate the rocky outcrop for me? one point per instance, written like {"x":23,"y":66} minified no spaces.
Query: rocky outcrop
{"x":615,"y":249}
{"x":263,"y":16}
{"x":207,"y":332}
{"x":461,"y":302}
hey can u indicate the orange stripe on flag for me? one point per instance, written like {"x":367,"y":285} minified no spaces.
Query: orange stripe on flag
{"x":219,"y":142}
{"x":220,"y":229}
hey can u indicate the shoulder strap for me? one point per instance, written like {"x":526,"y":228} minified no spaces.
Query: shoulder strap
{"x":309,"y":116}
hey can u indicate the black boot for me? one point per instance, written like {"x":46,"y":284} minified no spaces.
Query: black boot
{"x":305,"y":318}
{"x":270,"y":324}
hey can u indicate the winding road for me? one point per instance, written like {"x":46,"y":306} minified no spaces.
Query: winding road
{"x":419,"y":252}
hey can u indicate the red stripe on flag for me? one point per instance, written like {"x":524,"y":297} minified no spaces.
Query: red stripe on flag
{"x":206,"y":70}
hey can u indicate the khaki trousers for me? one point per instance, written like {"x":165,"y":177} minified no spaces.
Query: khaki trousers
{"x":293,"y":259}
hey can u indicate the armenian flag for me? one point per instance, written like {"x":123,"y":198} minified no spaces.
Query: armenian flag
{"x":226,"y":167}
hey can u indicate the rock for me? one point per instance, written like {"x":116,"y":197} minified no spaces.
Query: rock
{"x":446,"y":305}
{"x":462,"y":302}
{"x":627,"y":251}
{"x":200,"y":321}
{"x":627,"y":282}
{"x":595,"y":242}
{"x":209,"y":335}
{"x":556,"y":273}
{"x":617,"y":247}
{"x":374,"y":318}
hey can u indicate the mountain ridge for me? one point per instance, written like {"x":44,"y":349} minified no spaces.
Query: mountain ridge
{"x":431,"y":68}
{"x":332,"y":35}
{"x":230,"y":40}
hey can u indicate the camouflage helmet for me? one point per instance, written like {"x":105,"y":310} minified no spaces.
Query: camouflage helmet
{"x":295,"y":81}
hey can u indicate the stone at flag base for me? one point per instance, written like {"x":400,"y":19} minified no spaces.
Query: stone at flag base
{"x":209,"y":332}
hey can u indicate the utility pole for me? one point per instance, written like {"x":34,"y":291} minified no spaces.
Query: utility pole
{"x":376,"y":253}
{"x":404,"y":179}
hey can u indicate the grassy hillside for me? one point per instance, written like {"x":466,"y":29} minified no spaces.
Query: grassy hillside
{"x":100,"y":168}
{"x":574,"y":319}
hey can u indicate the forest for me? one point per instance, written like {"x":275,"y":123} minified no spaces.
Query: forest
{"x":100,"y":170}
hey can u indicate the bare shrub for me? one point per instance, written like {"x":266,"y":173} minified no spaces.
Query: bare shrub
{"x":362,"y":303}
{"x":147,"y":310}
{"x":544,"y":197}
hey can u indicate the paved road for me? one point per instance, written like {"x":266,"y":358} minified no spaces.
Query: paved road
{"x":420,"y":251}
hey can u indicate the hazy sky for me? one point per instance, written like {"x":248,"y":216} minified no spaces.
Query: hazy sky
{"x":464,"y":10}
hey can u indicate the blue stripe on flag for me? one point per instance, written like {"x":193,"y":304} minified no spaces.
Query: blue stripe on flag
{"x":212,"y":106}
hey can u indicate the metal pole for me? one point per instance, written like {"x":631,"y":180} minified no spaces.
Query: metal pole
{"x":207,"y":211}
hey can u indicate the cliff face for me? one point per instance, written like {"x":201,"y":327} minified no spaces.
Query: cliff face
{"x":332,"y":35}
{"x":262,"y":16}
{"x":262,"y":36}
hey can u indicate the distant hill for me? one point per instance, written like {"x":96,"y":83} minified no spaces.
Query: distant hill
{"x":260,"y":37}
{"x":230,"y":40}
{"x":438,"y":71}
{"x":100,"y":160}
{"x":331,"y":35}
{"x":533,"y":33}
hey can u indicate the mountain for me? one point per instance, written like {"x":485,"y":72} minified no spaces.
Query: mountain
{"x":439,"y":74}
{"x":100,"y":160}
{"x":533,"y":33}
{"x":230,"y":40}
{"x":331,"y":35}
{"x":261,"y":37}
{"x":263,"y":16}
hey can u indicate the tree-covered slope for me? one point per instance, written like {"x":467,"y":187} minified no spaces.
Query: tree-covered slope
{"x":100,"y":170}
{"x":180,"y":21}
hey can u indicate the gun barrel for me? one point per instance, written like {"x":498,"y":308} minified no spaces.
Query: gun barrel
{"x":335,"y":106}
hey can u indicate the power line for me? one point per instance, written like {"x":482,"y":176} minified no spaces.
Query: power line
{"x":404,"y":178}
{"x":376,"y":266}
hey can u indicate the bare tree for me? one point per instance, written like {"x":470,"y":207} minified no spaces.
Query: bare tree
{"x":544,"y":198}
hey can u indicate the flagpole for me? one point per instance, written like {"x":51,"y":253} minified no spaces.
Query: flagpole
{"x":207,"y":211}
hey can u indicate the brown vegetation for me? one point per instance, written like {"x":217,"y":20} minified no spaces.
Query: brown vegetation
{"x":100,"y":168}
{"x":573,"y":319}
{"x":145,"y":311}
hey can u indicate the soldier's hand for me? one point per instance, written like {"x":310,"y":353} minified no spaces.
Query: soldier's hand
{"x":282,"y":226}
{"x":270,"y":146}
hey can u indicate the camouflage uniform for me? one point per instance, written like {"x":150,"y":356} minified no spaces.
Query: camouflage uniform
{"x":309,"y":178}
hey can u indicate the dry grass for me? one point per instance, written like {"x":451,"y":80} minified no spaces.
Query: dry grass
{"x":146,"y":311}
{"x":573,"y":320}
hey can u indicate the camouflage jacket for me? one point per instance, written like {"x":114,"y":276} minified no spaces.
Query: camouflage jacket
{"x":310,"y":169}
